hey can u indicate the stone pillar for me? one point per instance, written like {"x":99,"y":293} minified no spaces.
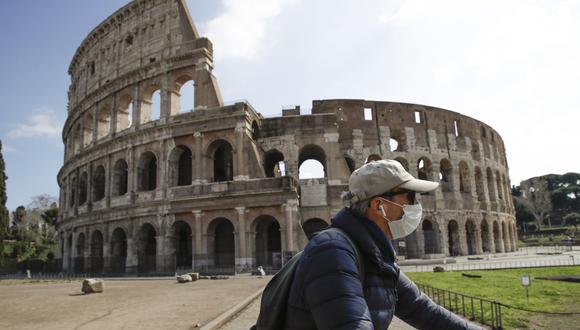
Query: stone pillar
{"x":242,"y":258}
{"x":419,"y":236}
{"x":490,"y":238}
{"x":478,"y":242}
{"x":462,"y":232}
{"x":291,"y":211}
{"x":136,"y":115}
{"x":443,"y":238}
{"x":108,"y":182}
{"x":199,"y":160}
{"x":199,"y":258}
{"x":162,"y":170}
{"x":165,"y":100}
{"x":132,"y":256}
{"x":239,"y":167}
{"x":107,"y":253}
{"x":334,"y":157}
{"x":160,"y":255}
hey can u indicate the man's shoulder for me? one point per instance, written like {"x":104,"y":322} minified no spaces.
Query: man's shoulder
{"x":328,"y":239}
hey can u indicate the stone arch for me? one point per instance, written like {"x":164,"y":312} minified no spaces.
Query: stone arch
{"x":151,"y":103}
{"x":147,"y":172}
{"x":499,"y":186}
{"x":183,"y":94}
{"x":313,"y":226}
{"x":475,"y":152}
{"x":268,"y":242}
{"x":221,"y":244}
{"x":274,"y":165}
{"x":220,"y":153}
{"x":471,"y":236}
{"x":83,"y":188}
{"x":313,"y":154}
{"x":454,"y":247}
{"x":99,"y":182}
{"x":397,"y":141}
{"x":80,"y":254}
{"x":403,"y":162}
{"x":104,"y":121}
{"x":424,"y":168}
{"x":490,"y":185}
{"x":125,"y":112}
{"x":485,"y":237}
{"x":120,"y":178}
{"x":181,"y":245}
{"x":497,"y":237}
{"x":96,"y":253}
{"x":373,"y":158}
{"x":147,"y":248}
{"x":431,"y":237}
{"x":479,"y":187}
{"x":446,"y":175}
{"x":464,"y":183}
{"x":118,"y":254}
{"x":180,"y":166}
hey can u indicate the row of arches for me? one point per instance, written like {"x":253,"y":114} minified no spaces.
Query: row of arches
{"x":98,"y":124}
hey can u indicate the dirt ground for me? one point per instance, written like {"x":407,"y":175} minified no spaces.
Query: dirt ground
{"x":125,"y":304}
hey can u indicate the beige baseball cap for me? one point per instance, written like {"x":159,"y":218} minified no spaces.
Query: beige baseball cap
{"x":378,"y":177}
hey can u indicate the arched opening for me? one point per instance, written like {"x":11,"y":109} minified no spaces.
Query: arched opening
{"x":147,"y":172}
{"x":373,"y":158}
{"x":104,"y":121}
{"x":403,"y":162}
{"x":424,"y":168}
{"x":274,"y":165}
{"x":464,"y":184}
{"x":431,"y":237}
{"x":120,"y":178}
{"x":223,"y":161}
{"x":350,"y":163}
{"x":187,"y":96}
{"x":397,"y":140}
{"x":499,"y":186}
{"x":96,"y":262}
{"x":118,"y":251}
{"x":471,"y":234}
{"x":147,"y":249}
{"x":453,"y":238}
{"x":180,"y":170}
{"x":485,"y":243}
{"x":125,"y":112}
{"x":99,"y":183}
{"x":268,"y":242}
{"x":181,"y":244}
{"x":255,"y":131}
{"x":83,"y":188}
{"x":479,"y":185}
{"x":312,"y":162}
{"x":475,"y":154}
{"x":151,"y":104}
{"x":80,"y":254}
{"x":497,"y":237}
{"x":313,"y":226}
{"x":490,"y":186}
{"x":88,"y":129}
{"x":446,"y":175}
{"x":221,"y":241}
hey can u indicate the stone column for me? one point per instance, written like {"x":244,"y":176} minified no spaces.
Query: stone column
{"x":334,"y":157}
{"x":160,"y":255}
{"x":490,"y":237}
{"x":478,"y":242}
{"x":242,"y":258}
{"x":162,"y":170}
{"x":132,"y":256}
{"x":462,"y":232}
{"x":291,"y":211}
{"x":239,"y":167}
{"x":199,"y":160}
{"x":136,"y":115}
{"x":199,"y":259}
{"x":443,"y":238}
{"x":107,"y":253}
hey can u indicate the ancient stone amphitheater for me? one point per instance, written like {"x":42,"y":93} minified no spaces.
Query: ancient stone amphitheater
{"x":147,"y":187}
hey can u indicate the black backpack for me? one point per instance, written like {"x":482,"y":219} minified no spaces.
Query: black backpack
{"x":275,"y":296}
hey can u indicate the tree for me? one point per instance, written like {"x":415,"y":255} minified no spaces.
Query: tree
{"x":524,"y":212}
{"x":4,"y":218}
{"x":572,"y":219}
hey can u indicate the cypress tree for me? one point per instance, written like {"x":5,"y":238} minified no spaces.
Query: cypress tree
{"x":3,"y":210}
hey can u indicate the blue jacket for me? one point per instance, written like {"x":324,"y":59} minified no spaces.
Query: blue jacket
{"x":329,"y":293}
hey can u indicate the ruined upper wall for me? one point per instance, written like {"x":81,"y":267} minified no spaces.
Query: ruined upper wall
{"x":136,"y":36}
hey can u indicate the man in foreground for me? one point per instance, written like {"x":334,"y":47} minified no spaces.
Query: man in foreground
{"x":331,"y":290}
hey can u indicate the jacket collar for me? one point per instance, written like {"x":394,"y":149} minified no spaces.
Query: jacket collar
{"x":369,"y":238}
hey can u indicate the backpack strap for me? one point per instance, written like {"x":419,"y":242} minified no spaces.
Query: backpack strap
{"x":359,"y":257}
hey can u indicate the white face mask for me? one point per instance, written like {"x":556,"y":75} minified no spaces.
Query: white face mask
{"x":408,"y":223}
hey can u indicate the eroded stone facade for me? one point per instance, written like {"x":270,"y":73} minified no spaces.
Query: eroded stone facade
{"x":218,"y":187}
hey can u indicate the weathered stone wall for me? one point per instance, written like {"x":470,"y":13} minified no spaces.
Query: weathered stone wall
{"x":203,"y":189}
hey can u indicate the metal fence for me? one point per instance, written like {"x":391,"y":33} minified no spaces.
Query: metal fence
{"x":485,"y":265}
{"x":476,"y":309}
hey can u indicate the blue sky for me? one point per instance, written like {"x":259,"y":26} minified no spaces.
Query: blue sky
{"x":514,"y":65}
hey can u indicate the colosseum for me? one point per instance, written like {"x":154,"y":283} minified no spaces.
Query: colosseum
{"x":150,"y":187}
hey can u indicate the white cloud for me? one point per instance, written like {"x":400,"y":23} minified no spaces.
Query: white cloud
{"x":240,"y":32}
{"x":42,"y":124}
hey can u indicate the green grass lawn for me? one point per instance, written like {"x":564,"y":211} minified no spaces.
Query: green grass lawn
{"x":505,"y":286}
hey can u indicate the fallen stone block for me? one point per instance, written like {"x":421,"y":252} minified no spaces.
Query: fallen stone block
{"x":194,"y":276}
{"x":93,"y":285}
{"x":184,"y":278}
